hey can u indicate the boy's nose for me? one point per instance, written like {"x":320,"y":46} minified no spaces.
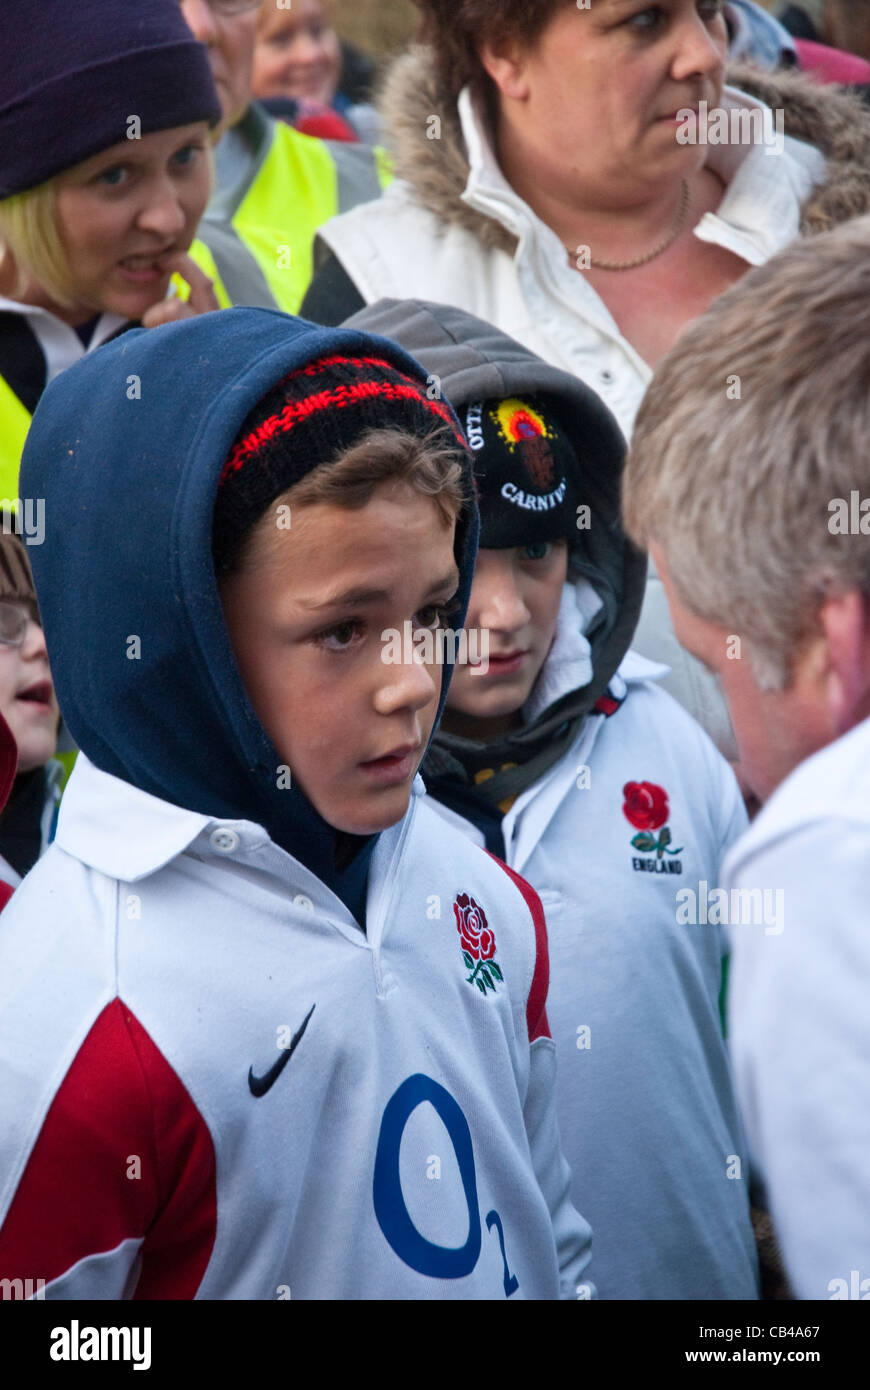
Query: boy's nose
{"x":501,"y":610}
{"x":409,"y":686}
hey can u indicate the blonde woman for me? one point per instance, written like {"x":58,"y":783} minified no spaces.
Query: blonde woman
{"x":105,"y":170}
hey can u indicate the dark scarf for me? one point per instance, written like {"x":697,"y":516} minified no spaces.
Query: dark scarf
{"x":452,"y":763}
{"x":21,"y":821}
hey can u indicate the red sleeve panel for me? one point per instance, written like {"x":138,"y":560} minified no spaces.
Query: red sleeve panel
{"x":536,"y":1006}
{"x":123,"y":1153}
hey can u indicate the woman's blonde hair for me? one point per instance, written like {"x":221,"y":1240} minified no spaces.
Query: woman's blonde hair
{"x":29,"y":234}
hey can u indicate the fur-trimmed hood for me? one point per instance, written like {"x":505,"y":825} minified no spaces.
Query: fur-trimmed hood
{"x":835,"y":122}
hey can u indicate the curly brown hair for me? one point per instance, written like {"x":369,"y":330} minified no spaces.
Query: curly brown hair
{"x":455,"y":29}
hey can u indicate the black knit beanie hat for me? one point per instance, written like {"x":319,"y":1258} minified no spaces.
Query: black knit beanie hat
{"x":312,"y":417}
{"x":76,"y":72}
{"x":526,"y":471}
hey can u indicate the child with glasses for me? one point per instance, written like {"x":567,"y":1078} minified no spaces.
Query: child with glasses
{"x":29,"y":706}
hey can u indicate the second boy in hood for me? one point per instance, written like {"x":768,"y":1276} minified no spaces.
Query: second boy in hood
{"x":566,"y":759}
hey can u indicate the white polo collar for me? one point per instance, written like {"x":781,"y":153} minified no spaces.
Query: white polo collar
{"x":61,"y":345}
{"x":125,"y":833}
{"x":830,"y":786}
{"x":120,"y":830}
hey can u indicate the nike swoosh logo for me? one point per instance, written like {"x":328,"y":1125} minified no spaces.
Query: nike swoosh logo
{"x":261,"y":1084}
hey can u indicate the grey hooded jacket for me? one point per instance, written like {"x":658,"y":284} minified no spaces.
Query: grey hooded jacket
{"x":646,"y":1108}
{"x":469,"y":360}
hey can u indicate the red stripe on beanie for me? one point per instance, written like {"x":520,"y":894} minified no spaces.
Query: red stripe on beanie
{"x":316,"y":367}
{"x":331,"y":403}
{"x":338,"y":398}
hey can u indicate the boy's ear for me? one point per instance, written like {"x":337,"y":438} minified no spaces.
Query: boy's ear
{"x":504,"y":61}
{"x":845,"y":620}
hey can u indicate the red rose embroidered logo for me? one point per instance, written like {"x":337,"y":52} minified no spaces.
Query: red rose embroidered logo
{"x":478,"y":943}
{"x":646,"y":808}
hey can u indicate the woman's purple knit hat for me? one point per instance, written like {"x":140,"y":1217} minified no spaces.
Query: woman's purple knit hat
{"x":75,"y":73}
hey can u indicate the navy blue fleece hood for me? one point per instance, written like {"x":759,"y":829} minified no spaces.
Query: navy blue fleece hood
{"x":126,"y":449}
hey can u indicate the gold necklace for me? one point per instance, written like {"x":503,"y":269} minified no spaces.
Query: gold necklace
{"x":657,"y":251}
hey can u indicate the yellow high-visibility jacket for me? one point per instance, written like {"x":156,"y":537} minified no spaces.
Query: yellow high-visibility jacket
{"x":276,"y":188}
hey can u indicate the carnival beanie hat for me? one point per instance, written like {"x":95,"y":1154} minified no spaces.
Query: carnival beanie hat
{"x":526,"y":471}
{"x":312,"y":417}
{"x":77,"y":74}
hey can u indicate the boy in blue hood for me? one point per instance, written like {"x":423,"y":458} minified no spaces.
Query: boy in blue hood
{"x":249,"y":876}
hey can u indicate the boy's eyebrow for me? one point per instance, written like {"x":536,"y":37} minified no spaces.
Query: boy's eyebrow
{"x":356,"y":598}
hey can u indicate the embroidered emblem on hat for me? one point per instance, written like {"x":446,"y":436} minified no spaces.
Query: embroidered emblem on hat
{"x":478,"y":943}
{"x":646,"y":808}
{"x":524,"y":429}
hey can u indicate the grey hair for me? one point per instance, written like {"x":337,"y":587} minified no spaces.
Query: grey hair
{"x":755,"y":427}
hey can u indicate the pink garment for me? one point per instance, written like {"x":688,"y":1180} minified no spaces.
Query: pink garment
{"x":324,"y":122}
{"x":831,"y":64}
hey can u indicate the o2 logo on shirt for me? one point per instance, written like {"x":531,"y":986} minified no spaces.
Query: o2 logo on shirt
{"x":437,"y":1261}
